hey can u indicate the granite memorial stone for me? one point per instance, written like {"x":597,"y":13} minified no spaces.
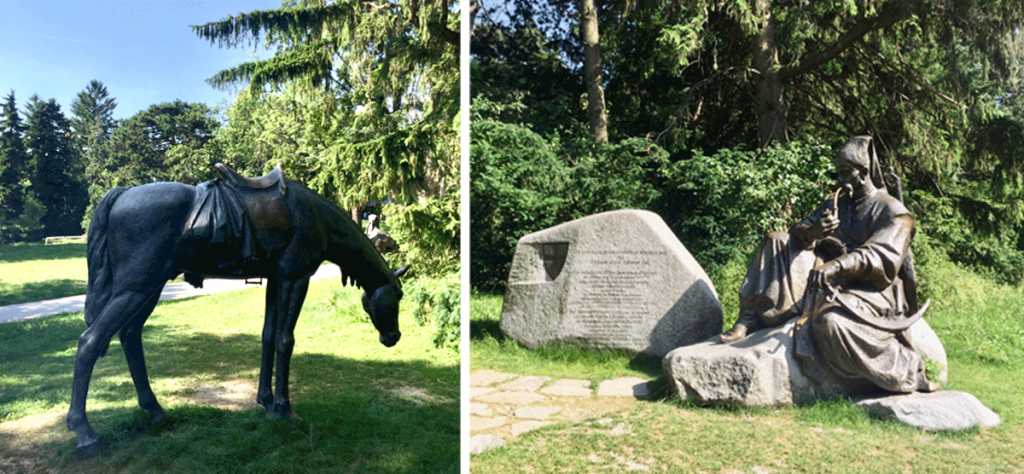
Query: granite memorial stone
{"x":615,"y":280}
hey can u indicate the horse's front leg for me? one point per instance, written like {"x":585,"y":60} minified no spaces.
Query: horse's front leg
{"x":265,"y":393}
{"x":291,"y":295}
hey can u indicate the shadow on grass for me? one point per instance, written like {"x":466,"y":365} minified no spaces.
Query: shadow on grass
{"x":360,"y":415}
{"x":40,"y":290}
{"x":481,"y":329}
{"x":35,"y":251}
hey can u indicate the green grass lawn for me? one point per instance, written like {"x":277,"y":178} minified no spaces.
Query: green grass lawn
{"x":366,"y":408}
{"x":34,"y":272}
{"x":980,"y":323}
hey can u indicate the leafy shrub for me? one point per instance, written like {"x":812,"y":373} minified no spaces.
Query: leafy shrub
{"x":518,"y":186}
{"x":427,"y":234}
{"x":19,"y":228}
{"x":722,"y":205}
{"x":943,"y":227}
{"x":610,"y":176}
{"x":523,"y":182}
{"x":437,"y":301}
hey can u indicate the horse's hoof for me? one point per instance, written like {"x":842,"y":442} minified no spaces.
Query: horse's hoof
{"x":287,"y":415}
{"x":87,"y":439}
{"x":157,"y":417}
{"x":88,"y":448}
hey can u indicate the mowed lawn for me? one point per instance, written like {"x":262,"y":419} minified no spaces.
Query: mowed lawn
{"x":980,"y":323}
{"x":34,"y":272}
{"x":366,"y":408}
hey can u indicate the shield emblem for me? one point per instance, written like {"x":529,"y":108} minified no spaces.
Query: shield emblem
{"x":554,"y":258}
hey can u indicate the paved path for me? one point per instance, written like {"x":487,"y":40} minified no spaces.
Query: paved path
{"x":503,"y":406}
{"x":172,"y":291}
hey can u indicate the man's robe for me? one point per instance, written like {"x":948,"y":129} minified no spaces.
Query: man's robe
{"x":839,"y":327}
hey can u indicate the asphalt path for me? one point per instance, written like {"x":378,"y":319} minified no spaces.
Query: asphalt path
{"x":172,"y":291}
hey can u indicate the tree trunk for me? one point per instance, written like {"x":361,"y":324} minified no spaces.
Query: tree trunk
{"x":771,"y":103}
{"x":592,"y":72}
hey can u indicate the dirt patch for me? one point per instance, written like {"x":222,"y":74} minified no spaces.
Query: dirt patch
{"x":26,"y":443}
{"x":234,"y":395}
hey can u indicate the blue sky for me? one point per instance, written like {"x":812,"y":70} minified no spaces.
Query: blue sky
{"x":143,"y":52}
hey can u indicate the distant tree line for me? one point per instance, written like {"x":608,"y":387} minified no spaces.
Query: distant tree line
{"x":54,"y":167}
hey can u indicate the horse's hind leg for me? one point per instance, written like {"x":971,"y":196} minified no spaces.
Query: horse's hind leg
{"x":121,"y":309}
{"x":131,"y":342}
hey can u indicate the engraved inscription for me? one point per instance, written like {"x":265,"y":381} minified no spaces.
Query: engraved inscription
{"x":612,"y":298}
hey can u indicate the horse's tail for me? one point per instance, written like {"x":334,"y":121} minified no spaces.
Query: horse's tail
{"x":100,"y":272}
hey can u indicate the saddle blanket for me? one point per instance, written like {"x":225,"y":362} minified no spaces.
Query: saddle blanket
{"x":219,"y":225}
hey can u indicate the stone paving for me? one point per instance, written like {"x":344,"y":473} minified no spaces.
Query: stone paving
{"x":504,"y":406}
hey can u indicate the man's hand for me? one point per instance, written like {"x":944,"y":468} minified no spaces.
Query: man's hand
{"x":822,"y":275}
{"x":823,"y":227}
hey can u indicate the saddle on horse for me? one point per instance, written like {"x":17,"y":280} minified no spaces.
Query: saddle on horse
{"x":237,"y":220}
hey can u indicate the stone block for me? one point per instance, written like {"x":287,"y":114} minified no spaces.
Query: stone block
{"x":943,"y":410}
{"x":528,"y":383}
{"x":568,"y":388}
{"x":615,"y":280}
{"x":484,"y":442}
{"x":625,"y":387}
{"x":762,"y":370}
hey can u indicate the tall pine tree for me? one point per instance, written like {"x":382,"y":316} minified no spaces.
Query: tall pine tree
{"x":20,"y":211}
{"x":55,"y":168}
{"x":13,"y":159}
{"x":378,"y":92}
{"x":92,"y":121}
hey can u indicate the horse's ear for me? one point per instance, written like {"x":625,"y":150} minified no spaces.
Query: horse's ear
{"x":401,"y":271}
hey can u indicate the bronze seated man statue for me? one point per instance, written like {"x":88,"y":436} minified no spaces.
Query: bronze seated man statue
{"x":846,"y":272}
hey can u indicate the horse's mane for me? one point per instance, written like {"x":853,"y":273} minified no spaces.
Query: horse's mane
{"x":362,"y":264}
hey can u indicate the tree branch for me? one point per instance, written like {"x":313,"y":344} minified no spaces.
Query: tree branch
{"x":451,"y":37}
{"x":892,"y":13}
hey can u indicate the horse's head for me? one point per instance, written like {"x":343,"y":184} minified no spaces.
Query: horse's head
{"x":382,"y":306}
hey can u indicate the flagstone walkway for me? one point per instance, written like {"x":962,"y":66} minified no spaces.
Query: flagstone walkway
{"x":504,"y":406}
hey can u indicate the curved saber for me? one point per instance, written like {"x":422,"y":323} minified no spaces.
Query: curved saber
{"x":895,"y":325}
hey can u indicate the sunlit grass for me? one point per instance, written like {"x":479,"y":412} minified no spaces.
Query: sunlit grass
{"x":34,"y":272}
{"x":367,"y":408}
{"x":980,"y":323}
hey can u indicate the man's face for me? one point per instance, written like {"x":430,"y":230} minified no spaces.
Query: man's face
{"x":850,"y":174}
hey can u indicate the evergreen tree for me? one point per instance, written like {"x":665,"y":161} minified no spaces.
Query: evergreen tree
{"x":92,"y":117}
{"x":55,"y":168}
{"x":361,"y":102}
{"x":92,"y":122}
{"x":373,"y":86}
{"x":13,"y":159}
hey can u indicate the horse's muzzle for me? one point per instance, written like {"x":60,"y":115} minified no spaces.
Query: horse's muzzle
{"x":390,"y":338}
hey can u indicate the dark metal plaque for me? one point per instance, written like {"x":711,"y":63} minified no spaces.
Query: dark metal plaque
{"x":554,"y":258}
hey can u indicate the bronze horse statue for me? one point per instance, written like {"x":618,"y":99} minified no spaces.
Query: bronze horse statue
{"x":235,"y":227}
